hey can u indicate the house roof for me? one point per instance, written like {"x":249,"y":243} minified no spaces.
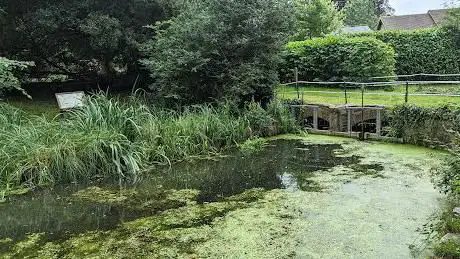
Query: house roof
{"x":438,"y":15}
{"x":415,"y":21}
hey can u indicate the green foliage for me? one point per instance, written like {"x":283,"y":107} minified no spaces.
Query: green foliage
{"x":338,"y":58}
{"x":109,"y":138}
{"x":453,"y":225}
{"x":77,"y":38}
{"x":214,"y":49}
{"x":425,"y":126}
{"x":449,"y":249}
{"x":253,"y":145}
{"x":452,"y":23}
{"x":315,"y":18}
{"x":361,"y":12}
{"x":430,"y":51}
{"x":383,"y":7}
{"x":8,"y":79}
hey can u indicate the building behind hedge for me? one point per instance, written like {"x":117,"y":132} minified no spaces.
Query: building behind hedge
{"x":431,"y":19}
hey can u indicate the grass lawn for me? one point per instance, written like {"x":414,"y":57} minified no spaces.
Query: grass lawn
{"x":47,"y":108}
{"x":388,"y":97}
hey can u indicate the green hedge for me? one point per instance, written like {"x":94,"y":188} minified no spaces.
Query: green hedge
{"x":337,"y":58}
{"x":431,"y":51}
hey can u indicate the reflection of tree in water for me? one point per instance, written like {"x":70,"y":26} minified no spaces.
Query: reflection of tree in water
{"x":52,"y":212}
{"x":264,"y":169}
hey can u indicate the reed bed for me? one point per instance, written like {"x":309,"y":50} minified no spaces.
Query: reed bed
{"x":109,"y":138}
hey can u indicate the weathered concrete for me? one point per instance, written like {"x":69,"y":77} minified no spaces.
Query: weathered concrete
{"x":341,"y":118}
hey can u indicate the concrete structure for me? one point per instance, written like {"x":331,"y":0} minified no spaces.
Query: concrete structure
{"x":343,"y":118}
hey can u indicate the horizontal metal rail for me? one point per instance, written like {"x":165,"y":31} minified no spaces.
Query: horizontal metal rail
{"x":348,"y":84}
{"x":378,"y":93}
{"x":415,"y":75}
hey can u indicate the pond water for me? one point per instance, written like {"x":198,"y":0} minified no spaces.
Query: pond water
{"x":310,"y":197}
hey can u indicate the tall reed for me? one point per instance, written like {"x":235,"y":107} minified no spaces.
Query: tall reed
{"x":111,"y":138}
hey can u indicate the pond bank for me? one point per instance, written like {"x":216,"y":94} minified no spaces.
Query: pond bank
{"x":309,"y":197}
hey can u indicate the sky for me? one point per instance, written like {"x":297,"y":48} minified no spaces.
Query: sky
{"x":415,"y":6}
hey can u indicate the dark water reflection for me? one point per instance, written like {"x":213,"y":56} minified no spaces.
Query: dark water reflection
{"x":284,"y":164}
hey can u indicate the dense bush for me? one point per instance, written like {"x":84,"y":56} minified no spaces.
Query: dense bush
{"x":338,"y":58}
{"x":431,"y":51}
{"x":110,"y":138}
{"x":425,"y":126}
{"x":219,"y":49}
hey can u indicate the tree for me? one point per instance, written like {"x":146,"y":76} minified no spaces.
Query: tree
{"x":8,"y":79}
{"x":315,"y":18}
{"x":361,"y":12}
{"x":383,"y":7}
{"x":219,"y":49}
{"x":452,"y":21}
{"x":93,"y":39}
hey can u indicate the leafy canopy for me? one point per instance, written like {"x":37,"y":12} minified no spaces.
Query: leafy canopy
{"x":77,"y":38}
{"x":8,"y":79}
{"x":315,"y":18}
{"x":361,"y":12}
{"x":218,"y":49}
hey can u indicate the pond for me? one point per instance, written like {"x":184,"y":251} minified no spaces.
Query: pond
{"x":304,"y":197}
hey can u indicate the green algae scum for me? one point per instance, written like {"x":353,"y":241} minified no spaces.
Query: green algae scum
{"x":298,"y":197}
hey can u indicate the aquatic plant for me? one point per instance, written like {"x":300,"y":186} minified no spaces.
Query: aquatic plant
{"x":449,"y":249}
{"x":253,"y":145}
{"x":116,"y":139}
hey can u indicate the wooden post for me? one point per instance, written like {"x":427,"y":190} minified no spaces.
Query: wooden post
{"x":296,"y":71}
{"x":349,"y":121}
{"x":315,"y":118}
{"x":378,"y":130}
{"x":346,"y":97}
{"x":407,"y":92}
{"x":362,"y":113}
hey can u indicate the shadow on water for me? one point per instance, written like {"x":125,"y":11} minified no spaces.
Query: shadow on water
{"x":284,"y":164}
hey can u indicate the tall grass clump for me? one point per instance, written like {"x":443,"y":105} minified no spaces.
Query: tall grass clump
{"x":109,"y":138}
{"x":10,"y":115}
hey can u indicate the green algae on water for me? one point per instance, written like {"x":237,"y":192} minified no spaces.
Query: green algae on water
{"x":130,"y":198}
{"x":172,"y":233}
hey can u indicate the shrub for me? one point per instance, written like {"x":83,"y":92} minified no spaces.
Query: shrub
{"x":219,"y":49}
{"x":431,"y":51}
{"x":449,"y":249}
{"x":425,"y":126}
{"x":338,"y":58}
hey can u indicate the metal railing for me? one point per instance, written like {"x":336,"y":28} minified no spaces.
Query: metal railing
{"x":349,"y":88}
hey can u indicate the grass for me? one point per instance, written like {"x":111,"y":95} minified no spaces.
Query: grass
{"x":109,"y":138}
{"x":46,"y":108}
{"x":389,"y":97}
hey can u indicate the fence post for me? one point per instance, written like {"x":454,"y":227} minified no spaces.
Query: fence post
{"x":296,"y":71}
{"x":346,"y":97}
{"x":378,"y":125}
{"x":362,"y":113}
{"x":406,"y":98}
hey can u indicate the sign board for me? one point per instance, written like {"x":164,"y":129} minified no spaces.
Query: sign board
{"x":70,"y":100}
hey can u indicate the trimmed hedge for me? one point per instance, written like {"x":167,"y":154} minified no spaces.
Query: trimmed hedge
{"x":431,"y":51}
{"x":337,"y":58}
